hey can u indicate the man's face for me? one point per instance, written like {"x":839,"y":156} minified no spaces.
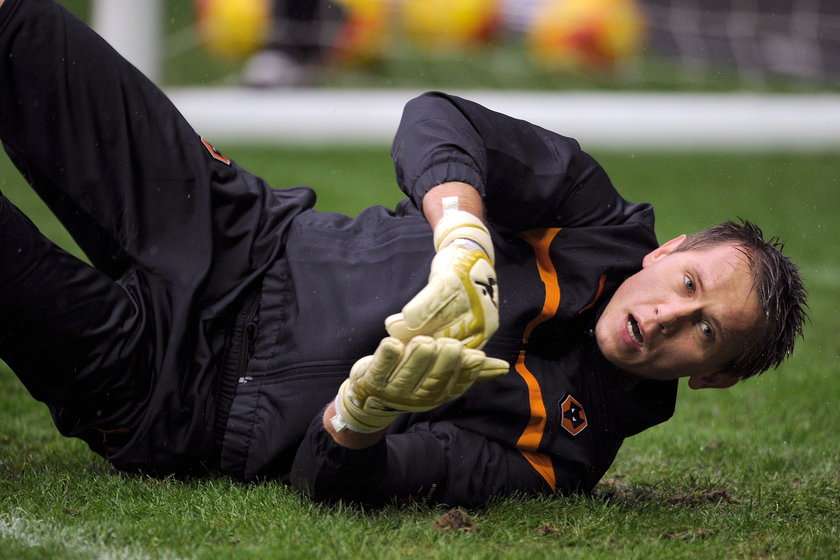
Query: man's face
{"x":685,"y":314}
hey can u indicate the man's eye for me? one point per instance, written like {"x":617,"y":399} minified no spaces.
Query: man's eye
{"x":689,"y":284}
{"x":707,"y":330}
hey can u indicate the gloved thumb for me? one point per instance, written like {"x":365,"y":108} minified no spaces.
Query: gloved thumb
{"x":396,"y":327}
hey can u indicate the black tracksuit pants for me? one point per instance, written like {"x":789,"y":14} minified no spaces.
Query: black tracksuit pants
{"x":126,"y":353}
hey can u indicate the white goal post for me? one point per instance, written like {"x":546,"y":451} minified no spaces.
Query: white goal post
{"x":134,"y":28}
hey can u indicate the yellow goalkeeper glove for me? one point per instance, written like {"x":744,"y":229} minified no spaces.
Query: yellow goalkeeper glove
{"x":413,"y":377}
{"x":461,"y":299}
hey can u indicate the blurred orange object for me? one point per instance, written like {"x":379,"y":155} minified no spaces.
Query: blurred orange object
{"x":365,"y":32}
{"x":586,"y":34}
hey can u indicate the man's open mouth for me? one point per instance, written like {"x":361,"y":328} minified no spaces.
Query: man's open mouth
{"x":634,"y":330}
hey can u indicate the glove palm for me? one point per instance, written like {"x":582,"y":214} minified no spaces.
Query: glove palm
{"x":460,"y":299}
{"x":413,"y":377}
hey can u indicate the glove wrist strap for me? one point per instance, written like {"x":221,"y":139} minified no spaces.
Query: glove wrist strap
{"x":344,"y":420}
{"x":463,"y":225}
{"x":468,"y":243}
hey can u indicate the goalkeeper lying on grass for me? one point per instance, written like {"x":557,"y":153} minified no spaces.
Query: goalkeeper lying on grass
{"x":225,"y":326}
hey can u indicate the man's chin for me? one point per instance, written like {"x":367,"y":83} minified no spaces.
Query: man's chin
{"x":634,"y":369}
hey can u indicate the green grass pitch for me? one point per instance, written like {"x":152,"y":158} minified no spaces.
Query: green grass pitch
{"x":750,"y":472}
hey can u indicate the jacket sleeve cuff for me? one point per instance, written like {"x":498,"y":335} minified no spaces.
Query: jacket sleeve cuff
{"x":443,"y":173}
{"x":327,"y":471}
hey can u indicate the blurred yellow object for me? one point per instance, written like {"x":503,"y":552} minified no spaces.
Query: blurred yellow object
{"x":233,"y":29}
{"x":450,"y":24}
{"x":365,"y":32}
{"x":586,"y":34}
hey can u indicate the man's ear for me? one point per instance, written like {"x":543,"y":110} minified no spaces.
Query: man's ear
{"x":664,"y":249}
{"x":720,"y":380}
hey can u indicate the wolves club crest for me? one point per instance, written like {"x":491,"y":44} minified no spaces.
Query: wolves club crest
{"x":572,"y":415}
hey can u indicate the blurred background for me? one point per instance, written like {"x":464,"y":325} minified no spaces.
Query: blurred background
{"x":710,"y":45}
{"x":665,"y":73}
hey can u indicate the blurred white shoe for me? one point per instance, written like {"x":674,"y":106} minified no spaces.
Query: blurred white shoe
{"x":275,"y":69}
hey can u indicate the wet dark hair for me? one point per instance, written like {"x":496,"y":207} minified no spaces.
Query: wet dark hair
{"x":777,"y":282}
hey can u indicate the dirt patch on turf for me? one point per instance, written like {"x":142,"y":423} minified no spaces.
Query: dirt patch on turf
{"x":690,"y":535}
{"x":618,"y":491}
{"x":456,"y":520}
{"x":703,"y":496}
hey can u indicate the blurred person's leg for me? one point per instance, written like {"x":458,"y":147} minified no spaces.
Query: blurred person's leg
{"x":301,"y":36}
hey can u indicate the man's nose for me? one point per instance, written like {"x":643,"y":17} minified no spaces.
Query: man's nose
{"x":670,"y":316}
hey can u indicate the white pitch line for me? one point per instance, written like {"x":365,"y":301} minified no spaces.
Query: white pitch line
{"x":626,"y":120}
{"x":34,"y":533}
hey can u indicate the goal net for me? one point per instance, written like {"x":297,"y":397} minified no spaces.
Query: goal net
{"x":758,"y":39}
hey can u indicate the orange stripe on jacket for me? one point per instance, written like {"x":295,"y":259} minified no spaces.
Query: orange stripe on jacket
{"x":541,"y":240}
{"x":531,"y":437}
{"x":601,"y":282}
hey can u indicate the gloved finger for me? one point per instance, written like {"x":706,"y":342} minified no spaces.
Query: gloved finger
{"x":418,"y":357}
{"x":360,"y":368}
{"x":385,"y":360}
{"x":444,"y":372}
{"x":472,"y":360}
{"x":396,"y":327}
{"x":492,"y":368}
{"x":470,"y":366}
